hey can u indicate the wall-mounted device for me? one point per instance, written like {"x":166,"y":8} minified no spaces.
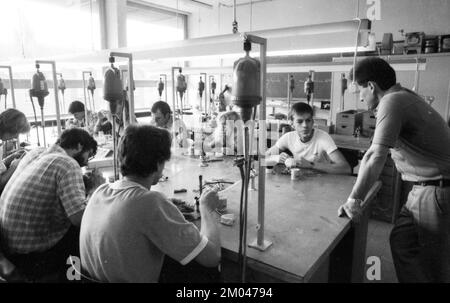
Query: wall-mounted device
{"x":414,"y":43}
{"x":444,"y":43}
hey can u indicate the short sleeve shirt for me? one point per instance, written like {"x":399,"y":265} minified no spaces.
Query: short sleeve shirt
{"x":317,"y":149}
{"x":416,"y":133}
{"x":126,"y":231}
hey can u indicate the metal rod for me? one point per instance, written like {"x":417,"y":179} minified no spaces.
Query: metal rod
{"x":447,"y":110}
{"x":43,"y":126}
{"x":116,"y":177}
{"x":62,"y":94}
{"x":205,"y":91}
{"x":261,"y":157}
{"x":289,"y":91}
{"x":11,"y":84}
{"x":130,"y":81}
{"x":417,"y":76}
{"x":55,"y":87}
{"x":86,"y":119}
{"x":165,"y":85}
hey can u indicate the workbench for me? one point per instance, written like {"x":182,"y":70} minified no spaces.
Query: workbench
{"x":301,"y":220}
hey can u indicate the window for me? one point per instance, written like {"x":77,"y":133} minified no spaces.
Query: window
{"x":147,"y":25}
{"x":42,"y":28}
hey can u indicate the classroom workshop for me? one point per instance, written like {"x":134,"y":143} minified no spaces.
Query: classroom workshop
{"x":224,"y":142}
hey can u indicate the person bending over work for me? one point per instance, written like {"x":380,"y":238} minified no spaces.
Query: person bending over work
{"x":127,"y":228}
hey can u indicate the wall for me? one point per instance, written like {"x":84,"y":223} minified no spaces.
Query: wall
{"x":430,"y":16}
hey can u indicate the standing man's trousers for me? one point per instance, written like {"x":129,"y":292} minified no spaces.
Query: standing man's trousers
{"x":420,"y":240}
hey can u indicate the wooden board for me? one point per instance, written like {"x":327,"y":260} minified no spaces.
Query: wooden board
{"x":300,"y":219}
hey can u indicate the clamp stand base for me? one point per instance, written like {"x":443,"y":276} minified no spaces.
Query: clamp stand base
{"x":266,"y":244}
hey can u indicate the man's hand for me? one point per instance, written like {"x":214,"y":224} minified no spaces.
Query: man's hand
{"x":209,"y":200}
{"x":302,"y":162}
{"x":16,"y":155}
{"x":290,"y":162}
{"x":352,"y":209}
{"x":283,"y":158}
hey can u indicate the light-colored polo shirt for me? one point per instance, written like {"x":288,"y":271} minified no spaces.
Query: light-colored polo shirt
{"x":126,"y":231}
{"x":418,"y":136}
{"x":317,"y":149}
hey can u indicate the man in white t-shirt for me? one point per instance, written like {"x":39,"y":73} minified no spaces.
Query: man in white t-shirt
{"x":127,"y":229}
{"x":310,"y":147}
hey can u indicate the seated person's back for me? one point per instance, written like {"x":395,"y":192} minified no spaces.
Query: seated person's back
{"x":127,"y":228}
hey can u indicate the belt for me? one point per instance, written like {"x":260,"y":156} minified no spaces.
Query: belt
{"x":440,"y":183}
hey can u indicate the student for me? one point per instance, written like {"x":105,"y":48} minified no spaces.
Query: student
{"x":223,"y":135}
{"x":162,"y":117}
{"x":127,"y":228}
{"x":419,"y":142}
{"x":76,"y":108}
{"x":42,"y":205}
{"x":310,"y":147}
{"x":12,"y":123}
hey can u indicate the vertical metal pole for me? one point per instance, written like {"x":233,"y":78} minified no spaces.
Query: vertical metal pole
{"x":86,"y":117}
{"x":289,"y":91}
{"x":131,"y":87}
{"x":11,"y":87}
{"x":55,"y":89}
{"x":261,"y":167}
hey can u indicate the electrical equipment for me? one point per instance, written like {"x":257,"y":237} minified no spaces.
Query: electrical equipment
{"x":444,"y":43}
{"x":201,"y":87}
{"x":62,"y":88}
{"x":387,"y":44}
{"x":213,"y":86}
{"x":39,"y":90}
{"x":91,"y":87}
{"x":160,"y":87}
{"x":246,"y":83}
{"x":181,"y":86}
{"x":431,"y":44}
{"x":414,"y":43}
{"x":113,"y":93}
{"x":309,"y":87}
{"x":344,"y":87}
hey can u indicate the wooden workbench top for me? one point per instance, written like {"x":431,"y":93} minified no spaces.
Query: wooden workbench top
{"x":300,"y":216}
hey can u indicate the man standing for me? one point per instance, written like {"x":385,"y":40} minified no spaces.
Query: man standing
{"x":127,"y":228}
{"x":419,"y":142}
{"x":42,"y":205}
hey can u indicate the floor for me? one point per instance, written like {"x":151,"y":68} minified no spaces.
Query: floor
{"x":378,"y":246}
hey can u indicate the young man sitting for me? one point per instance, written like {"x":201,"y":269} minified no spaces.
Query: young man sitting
{"x":310,"y":147}
{"x":127,"y":229}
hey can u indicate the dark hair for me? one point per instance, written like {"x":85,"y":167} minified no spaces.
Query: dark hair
{"x":13,"y":122}
{"x":163,"y":107}
{"x":141,"y":148}
{"x":76,"y":107}
{"x":376,"y":70}
{"x":300,"y":108}
{"x":70,"y":138}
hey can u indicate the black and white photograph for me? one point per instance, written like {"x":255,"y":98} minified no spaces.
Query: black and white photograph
{"x":224,"y":149}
